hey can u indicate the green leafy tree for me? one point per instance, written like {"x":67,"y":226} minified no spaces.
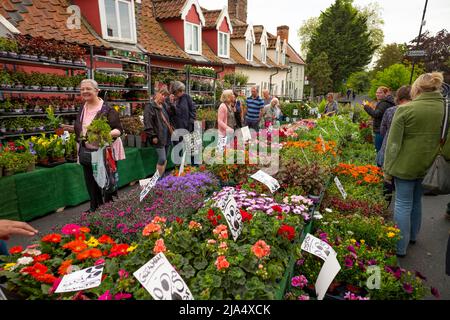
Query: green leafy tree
{"x":390,"y":54}
{"x":393,"y":77}
{"x":343,"y":34}
{"x":306,"y":32}
{"x":359,"y":82}
{"x":319,"y":74}
{"x":375,"y":22}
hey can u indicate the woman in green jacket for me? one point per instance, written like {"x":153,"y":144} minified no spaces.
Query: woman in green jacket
{"x":412,"y":146}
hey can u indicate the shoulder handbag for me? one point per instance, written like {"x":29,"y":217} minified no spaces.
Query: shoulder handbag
{"x":437,"y":179}
{"x":166,"y":122}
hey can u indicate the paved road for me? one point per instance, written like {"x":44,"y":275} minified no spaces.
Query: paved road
{"x":426,"y":256}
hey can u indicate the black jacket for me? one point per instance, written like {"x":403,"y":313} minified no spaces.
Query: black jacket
{"x":379,"y":111}
{"x":185,"y":113}
{"x":154,"y":125}
{"x":111,"y":114}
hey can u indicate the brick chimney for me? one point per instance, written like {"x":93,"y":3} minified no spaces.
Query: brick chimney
{"x":238,"y":10}
{"x":283,"y":32}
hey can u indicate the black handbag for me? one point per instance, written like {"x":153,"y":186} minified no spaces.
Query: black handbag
{"x":85,"y":155}
{"x":437,"y":179}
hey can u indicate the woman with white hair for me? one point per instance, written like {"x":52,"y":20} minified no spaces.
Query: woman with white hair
{"x":226,"y":115}
{"x":94,"y":108}
{"x":270,"y":113}
{"x":413,"y":143}
{"x":185,"y":112}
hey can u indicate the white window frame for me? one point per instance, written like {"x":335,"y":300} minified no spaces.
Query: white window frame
{"x":103,"y":22}
{"x":263,"y":53}
{"x":249,"y":55}
{"x":222,"y":53}
{"x":283,"y":53}
{"x":199,"y":37}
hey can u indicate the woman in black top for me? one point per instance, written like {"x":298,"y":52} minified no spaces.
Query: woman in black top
{"x":157,"y":122}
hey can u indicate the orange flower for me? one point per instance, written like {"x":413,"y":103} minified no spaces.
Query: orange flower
{"x":260,"y":249}
{"x":90,"y":253}
{"x":62,"y":270}
{"x":119,"y":250}
{"x":105,"y":239}
{"x":75,"y":246}
{"x":221,"y":263}
{"x":151,"y":228}
{"x":195,"y":225}
{"x":46,"y":278}
{"x":158,"y":219}
{"x":52,"y":238}
{"x":42,"y":257}
{"x":85,"y":230}
{"x":221,"y":231}
{"x":159,"y":246}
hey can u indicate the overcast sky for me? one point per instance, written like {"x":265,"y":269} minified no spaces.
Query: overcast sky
{"x":402,"y":17}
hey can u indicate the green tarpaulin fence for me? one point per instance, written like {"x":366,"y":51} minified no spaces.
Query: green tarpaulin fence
{"x":30,"y":195}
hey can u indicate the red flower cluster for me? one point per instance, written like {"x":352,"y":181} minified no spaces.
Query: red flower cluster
{"x":118,"y":250}
{"x":106,"y":239}
{"x":213,"y":218}
{"x":42,"y":257}
{"x":354,"y":206}
{"x":39,"y":272}
{"x":52,"y":238}
{"x":245,"y":215}
{"x":287,"y":231}
{"x":15,"y":250}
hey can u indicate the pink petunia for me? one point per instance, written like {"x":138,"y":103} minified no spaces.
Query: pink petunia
{"x":106,"y":296}
{"x":122,"y":296}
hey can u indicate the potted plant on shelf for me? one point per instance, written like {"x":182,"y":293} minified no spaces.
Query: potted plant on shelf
{"x":5,"y":80}
{"x":7,"y":45}
{"x":71,"y":148}
{"x":57,"y":150}
{"x":136,"y":81}
{"x":41,"y":146}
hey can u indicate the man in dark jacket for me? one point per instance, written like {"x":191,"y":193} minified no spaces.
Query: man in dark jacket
{"x":185,"y":111}
{"x":385,"y":101}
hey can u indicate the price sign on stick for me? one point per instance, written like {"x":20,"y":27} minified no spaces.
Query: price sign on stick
{"x":340,"y":187}
{"x":183,"y":161}
{"x":221,"y":144}
{"x":317,"y":247}
{"x":81,"y":280}
{"x":149,"y":185}
{"x":2,"y":295}
{"x":162,"y":281}
{"x":269,"y":181}
{"x":233,"y":216}
{"x":329,"y":270}
{"x":246,"y":134}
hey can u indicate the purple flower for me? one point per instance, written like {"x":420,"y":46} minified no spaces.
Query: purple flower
{"x":408,"y":288}
{"x":323,"y":236}
{"x":351,"y":296}
{"x":435,"y":292}
{"x":299,"y":281}
{"x":300,"y":262}
{"x":398,"y":274}
{"x":372,"y":262}
{"x":348,"y":262}
{"x":351,"y":249}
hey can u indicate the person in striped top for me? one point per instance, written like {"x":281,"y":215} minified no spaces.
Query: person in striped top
{"x":255,"y":106}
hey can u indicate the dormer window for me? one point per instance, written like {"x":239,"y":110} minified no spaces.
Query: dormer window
{"x":224,"y":45}
{"x":263,"y":53}
{"x":249,"y":50}
{"x":192,"y":38}
{"x":118,"y":20}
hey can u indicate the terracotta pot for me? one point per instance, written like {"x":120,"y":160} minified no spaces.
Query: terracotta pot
{"x":43,"y":161}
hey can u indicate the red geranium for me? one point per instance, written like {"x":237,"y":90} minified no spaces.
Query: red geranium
{"x":118,"y":250}
{"x":46,"y":278}
{"x":179,"y":220}
{"x":15,"y":250}
{"x":245,"y":215}
{"x":106,"y":239}
{"x":213,"y":218}
{"x":277,"y":209}
{"x":287,"y":231}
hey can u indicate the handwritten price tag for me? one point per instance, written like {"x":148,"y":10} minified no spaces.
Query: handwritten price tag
{"x":149,"y":186}
{"x":81,"y":280}
{"x":162,"y":281}
{"x":183,"y":161}
{"x":295,"y":112}
{"x":269,"y":181}
{"x":317,"y":247}
{"x":246,"y":134}
{"x":233,"y":216}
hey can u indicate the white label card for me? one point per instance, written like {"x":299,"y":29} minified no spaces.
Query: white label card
{"x":317,"y":247}
{"x":288,"y":119}
{"x":221,"y":144}
{"x":144,"y":182}
{"x":329,"y":270}
{"x":81,"y":280}
{"x":246,"y":134}
{"x":149,"y":186}
{"x":340,"y":187}
{"x":233,"y":216}
{"x":295,"y":112}
{"x":162,"y":281}
{"x":2,"y":295}
{"x":269,"y":181}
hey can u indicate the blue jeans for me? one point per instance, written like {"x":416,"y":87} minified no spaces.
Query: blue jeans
{"x":408,"y":211}
{"x":378,"y":141}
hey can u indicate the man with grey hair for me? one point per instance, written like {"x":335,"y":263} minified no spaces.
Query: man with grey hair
{"x":185,"y":111}
{"x":267,"y":97}
{"x":254,"y":108}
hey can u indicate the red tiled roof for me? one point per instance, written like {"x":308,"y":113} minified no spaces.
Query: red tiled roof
{"x":209,"y":53}
{"x":294,"y":57}
{"x":46,"y":18}
{"x":167,"y":9}
{"x":153,"y":37}
{"x":211,"y":17}
{"x":239,"y":31}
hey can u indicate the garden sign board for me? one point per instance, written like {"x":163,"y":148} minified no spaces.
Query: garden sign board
{"x":233,"y":216}
{"x":269,"y":181}
{"x":340,"y":187}
{"x":149,"y":185}
{"x":317,"y":247}
{"x":162,"y":281}
{"x":329,"y":270}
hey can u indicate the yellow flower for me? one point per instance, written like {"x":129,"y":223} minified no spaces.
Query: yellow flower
{"x":391,"y":235}
{"x":92,"y":242}
{"x":362,"y":241}
{"x":132,"y":248}
{"x":8,"y":266}
{"x":353,"y":241}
